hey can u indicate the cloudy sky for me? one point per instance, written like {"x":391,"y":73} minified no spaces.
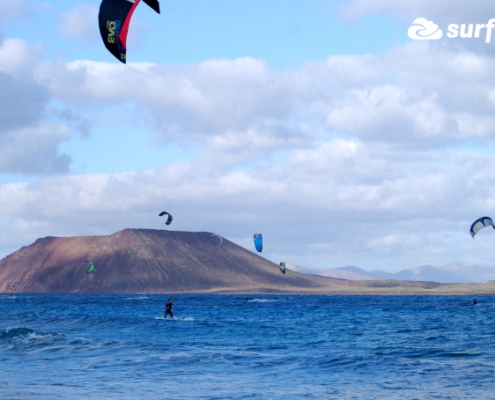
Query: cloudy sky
{"x":319,"y":123}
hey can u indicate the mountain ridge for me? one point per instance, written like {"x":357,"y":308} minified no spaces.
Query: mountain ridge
{"x":450,"y":273}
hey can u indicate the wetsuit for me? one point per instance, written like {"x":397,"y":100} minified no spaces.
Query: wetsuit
{"x":168,"y":309}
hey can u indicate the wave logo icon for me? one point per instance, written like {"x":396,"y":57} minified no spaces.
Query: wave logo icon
{"x":422,"y":29}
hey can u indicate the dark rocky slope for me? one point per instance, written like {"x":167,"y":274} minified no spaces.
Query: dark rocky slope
{"x":147,"y":261}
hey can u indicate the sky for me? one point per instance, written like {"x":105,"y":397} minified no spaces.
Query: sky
{"x":335,"y":128}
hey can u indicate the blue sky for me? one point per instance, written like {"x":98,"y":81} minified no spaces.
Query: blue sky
{"x":319,"y":123}
{"x":283,"y":33}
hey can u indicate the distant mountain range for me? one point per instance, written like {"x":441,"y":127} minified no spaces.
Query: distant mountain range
{"x":449,"y":273}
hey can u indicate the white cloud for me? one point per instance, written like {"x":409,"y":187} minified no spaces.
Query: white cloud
{"x":33,"y":150}
{"x":18,"y":58}
{"x":29,"y":139}
{"x":404,"y":97}
{"x":14,"y":9}
{"x":439,"y":10}
{"x":195,"y":99}
{"x":79,"y":23}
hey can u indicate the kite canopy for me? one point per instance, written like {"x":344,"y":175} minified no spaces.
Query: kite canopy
{"x":480,"y":223}
{"x":114,"y":18}
{"x":221,"y":240}
{"x":282,"y":267}
{"x":91,"y":266}
{"x":169,"y":219}
{"x":153,"y":4}
{"x":258,"y":241}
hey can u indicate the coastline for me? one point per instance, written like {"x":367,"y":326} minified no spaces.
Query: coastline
{"x":346,"y":288}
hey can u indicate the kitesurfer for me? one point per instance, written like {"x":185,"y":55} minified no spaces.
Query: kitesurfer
{"x":475,"y":302}
{"x":168,"y":309}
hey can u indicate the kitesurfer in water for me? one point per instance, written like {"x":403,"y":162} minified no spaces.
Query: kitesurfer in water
{"x":475,"y":302}
{"x":168,"y":309}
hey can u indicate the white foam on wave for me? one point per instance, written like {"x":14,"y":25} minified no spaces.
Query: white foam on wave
{"x":175,"y":355}
{"x":260,"y":301}
{"x":137,"y":298}
{"x":177,"y":319}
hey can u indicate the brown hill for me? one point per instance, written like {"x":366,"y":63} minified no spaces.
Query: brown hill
{"x":146,"y":261}
{"x":160,"y":261}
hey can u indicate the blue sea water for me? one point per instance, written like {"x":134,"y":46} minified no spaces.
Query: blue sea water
{"x":237,"y":347}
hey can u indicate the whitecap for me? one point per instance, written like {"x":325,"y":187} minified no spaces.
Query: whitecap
{"x":260,"y":301}
{"x":176,"y":318}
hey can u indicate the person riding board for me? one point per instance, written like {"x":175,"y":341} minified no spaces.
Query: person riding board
{"x":168,"y":309}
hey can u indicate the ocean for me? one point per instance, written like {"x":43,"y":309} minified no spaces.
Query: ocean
{"x":246,"y":347}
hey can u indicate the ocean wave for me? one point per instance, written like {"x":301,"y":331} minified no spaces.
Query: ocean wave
{"x":261,"y":301}
{"x":460,"y":354}
{"x":25,"y":339}
{"x":14,"y":332}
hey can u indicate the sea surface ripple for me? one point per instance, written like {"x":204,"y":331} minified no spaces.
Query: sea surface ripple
{"x":246,"y":347}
